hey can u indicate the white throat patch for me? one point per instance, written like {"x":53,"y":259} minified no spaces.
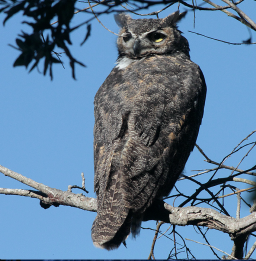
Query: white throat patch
{"x":122,"y":63}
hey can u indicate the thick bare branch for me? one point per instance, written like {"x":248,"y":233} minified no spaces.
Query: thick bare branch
{"x":212,"y":219}
{"x":48,"y":195}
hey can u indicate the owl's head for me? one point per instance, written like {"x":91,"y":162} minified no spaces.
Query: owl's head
{"x":143,"y":37}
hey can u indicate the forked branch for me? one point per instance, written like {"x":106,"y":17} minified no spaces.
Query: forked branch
{"x":47,"y":195}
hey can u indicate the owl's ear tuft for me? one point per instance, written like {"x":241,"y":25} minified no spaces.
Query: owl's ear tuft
{"x":122,"y":19}
{"x":173,"y":18}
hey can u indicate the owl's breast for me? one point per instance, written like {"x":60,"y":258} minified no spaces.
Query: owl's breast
{"x":169,"y":77}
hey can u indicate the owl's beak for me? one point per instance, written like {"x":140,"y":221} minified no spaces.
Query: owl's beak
{"x":136,"y":47}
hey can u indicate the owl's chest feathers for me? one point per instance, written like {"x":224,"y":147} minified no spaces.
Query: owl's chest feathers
{"x":161,"y":60}
{"x":152,"y":65}
{"x":156,"y":73}
{"x":123,"y":62}
{"x":151,"y":80}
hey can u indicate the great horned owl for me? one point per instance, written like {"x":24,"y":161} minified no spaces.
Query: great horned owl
{"x":147,"y":116}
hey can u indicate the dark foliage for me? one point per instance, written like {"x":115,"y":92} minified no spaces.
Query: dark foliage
{"x":35,"y":46}
{"x":48,"y":35}
{"x":50,"y":23}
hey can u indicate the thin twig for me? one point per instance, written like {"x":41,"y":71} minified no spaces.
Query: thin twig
{"x":212,"y":247}
{"x":229,"y":13}
{"x":222,"y":165}
{"x":244,"y":139}
{"x":205,"y":238}
{"x":244,"y":157}
{"x":81,"y":10}
{"x":148,"y":228}
{"x":198,"y":174}
{"x":99,"y":20}
{"x":153,"y":13}
{"x":241,"y":190}
{"x":201,"y":151}
{"x":220,"y":40}
{"x":245,"y":17}
{"x":162,"y":234}
{"x":151,"y":254}
{"x":238,"y":209}
{"x":70,"y":187}
{"x":236,"y":149}
{"x":83,"y":180}
{"x":84,"y":9}
{"x":250,"y":251}
{"x":217,"y":8}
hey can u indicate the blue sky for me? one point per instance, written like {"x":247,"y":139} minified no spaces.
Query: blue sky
{"x":46,"y":134}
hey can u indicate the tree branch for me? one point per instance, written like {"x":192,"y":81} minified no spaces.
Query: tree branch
{"x":238,"y":229}
{"x":250,"y":251}
{"x":212,"y":219}
{"x":48,"y":195}
{"x":220,"y":165}
{"x":244,"y":17}
{"x":242,"y":20}
{"x":158,"y":211}
{"x":211,"y":247}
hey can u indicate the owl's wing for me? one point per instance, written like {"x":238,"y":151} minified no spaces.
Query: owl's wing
{"x":112,"y":224}
{"x":127,"y":123}
{"x":113,"y":172}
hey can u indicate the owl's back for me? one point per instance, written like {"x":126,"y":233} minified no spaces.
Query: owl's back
{"x":147,"y":117}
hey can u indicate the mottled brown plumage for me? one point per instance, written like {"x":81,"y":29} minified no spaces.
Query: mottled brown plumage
{"x":147,"y":116}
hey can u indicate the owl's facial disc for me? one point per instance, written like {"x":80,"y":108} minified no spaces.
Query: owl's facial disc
{"x":146,"y":43}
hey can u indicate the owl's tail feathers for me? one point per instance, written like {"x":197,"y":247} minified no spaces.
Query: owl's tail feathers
{"x":109,"y":231}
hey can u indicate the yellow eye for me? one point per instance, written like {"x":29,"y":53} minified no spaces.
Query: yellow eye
{"x":159,"y":40}
{"x":156,"y":37}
